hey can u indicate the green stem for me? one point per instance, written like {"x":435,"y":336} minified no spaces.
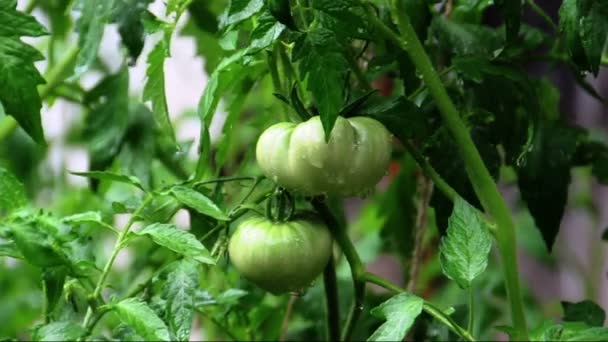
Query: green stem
{"x":333,"y":305}
{"x":117,"y":248}
{"x":428,"y":169}
{"x":480,"y":177}
{"x":427,"y":307}
{"x":356,"y":266}
{"x":543,"y":15}
{"x":471,"y":309}
{"x":30,"y":6}
{"x":224,"y":180}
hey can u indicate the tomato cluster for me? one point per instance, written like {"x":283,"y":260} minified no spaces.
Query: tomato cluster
{"x":286,"y":255}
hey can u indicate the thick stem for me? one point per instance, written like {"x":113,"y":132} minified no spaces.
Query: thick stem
{"x":356,"y":266}
{"x":332,"y":300}
{"x":428,"y":169}
{"x":471,"y":309}
{"x":480,"y":177}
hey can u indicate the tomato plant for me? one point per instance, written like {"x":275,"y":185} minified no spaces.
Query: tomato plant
{"x":430,"y":169}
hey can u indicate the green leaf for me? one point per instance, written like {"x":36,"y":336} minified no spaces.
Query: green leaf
{"x":544,"y":179}
{"x":112,"y":176}
{"x":400,"y":312}
{"x":401,"y":117}
{"x":94,"y":15}
{"x":281,"y":11}
{"x":568,"y":331}
{"x":265,"y":33}
{"x":177,"y":240}
{"x":584,"y":23}
{"x":239,"y":10}
{"x":129,"y":15}
{"x":323,"y":66}
{"x":39,"y":246}
{"x":108,"y":119}
{"x":178,"y":292}
{"x":19,"y":78}
{"x":466,"y":39}
{"x":154,"y":90}
{"x":464,"y":250}
{"x":10,"y":250}
{"x":586,"y":311}
{"x":138,"y":315}
{"x":199,"y":202}
{"x":59,"y":331}
{"x":53,"y":280}
{"x":12,"y":192}
{"x":86,"y":217}
{"x":512,"y":13}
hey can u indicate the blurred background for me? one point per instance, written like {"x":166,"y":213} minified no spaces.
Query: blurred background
{"x":576,"y":270}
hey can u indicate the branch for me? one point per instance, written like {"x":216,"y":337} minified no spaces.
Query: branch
{"x":331,"y":296}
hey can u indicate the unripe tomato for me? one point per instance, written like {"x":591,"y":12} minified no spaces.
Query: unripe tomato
{"x":280,"y":256}
{"x":296,"y":156}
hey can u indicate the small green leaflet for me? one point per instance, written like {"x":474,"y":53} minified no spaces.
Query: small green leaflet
{"x":129,"y":15}
{"x":239,"y":10}
{"x":10,"y":250}
{"x":400,"y":312}
{"x":586,"y":311}
{"x":322,"y":64}
{"x":465,"y":248}
{"x":139,"y":316}
{"x":94,"y":15}
{"x":112,"y":176}
{"x":177,"y":240}
{"x":154,"y":89}
{"x":178,"y":293}
{"x":88,"y":216}
{"x":59,"y":331}
{"x":199,"y":202}
{"x":19,"y":78}
{"x":266,"y":32}
{"x":53,"y":280}
{"x":12,"y":192}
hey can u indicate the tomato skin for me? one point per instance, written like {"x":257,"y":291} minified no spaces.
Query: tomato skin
{"x":280,"y":256}
{"x":297,"y":157}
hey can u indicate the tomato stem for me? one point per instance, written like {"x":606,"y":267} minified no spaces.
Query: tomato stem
{"x":356,"y":266}
{"x":480,"y":177}
{"x":331,"y":296}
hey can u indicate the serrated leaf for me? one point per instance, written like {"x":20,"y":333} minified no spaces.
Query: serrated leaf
{"x":12,"y":192}
{"x":198,"y":202}
{"x":177,"y":240}
{"x":464,"y":250}
{"x":108,"y":119}
{"x":38,"y":246}
{"x":53,"y":280}
{"x":568,"y":331}
{"x":323,"y":66}
{"x":586,"y":311}
{"x":544,"y":179}
{"x":154,"y":90}
{"x":178,"y":292}
{"x":239,"y":10}
{"x":19,"y":78}
{"x":584,"y":24}
{"x":139,"y":316}
{"x":466,"y":39}
{"x":400,"y":312}
{"x":59,"y":331}
{"x":94,"y":15}
{"x":112,"y":176}
{"x":266,"y":32}
{"x":129,"y":15}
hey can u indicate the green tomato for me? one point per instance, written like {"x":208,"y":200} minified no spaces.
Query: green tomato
{"x":296,"y":156}
{"x":281,"y":256}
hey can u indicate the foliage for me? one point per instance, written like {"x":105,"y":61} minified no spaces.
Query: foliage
{"x":140,"y":251}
